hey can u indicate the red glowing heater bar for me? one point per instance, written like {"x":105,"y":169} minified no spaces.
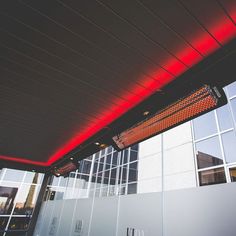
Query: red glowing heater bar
{"x":65,"y":169}
{"x":196,"y":103}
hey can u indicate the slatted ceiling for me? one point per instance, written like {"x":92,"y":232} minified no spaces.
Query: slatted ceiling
{"x":131,"y":37}
{"x":175,"y":15}
{"x":162,"y":35}
{"x":230,"y":8}
{"x":78,"y":61}
{"x":221,"y":29}
{"x":166,"y":59}
{"x":69,"y":68}
{"x":118,"y":27}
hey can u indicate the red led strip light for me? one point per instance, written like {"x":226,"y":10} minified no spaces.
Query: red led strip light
{"x":184,"y":109}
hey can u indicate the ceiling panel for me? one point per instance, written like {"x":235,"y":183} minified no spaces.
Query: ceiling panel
{"x":70,"y":68}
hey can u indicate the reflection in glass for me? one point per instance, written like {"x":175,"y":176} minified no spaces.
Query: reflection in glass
{"x":214,"y":176}
{"x":133,"y":156}
{"x":232,"y":172}
{"x":208,"y":153}
{"x":26,"y":200}
{"x":54,"y":193}
{"x":229,"y":143}
{"x":204,"y":125}
{"x":115,"y":159}
{"x":132,"y":188}
{"x":133,"y":172}
{"x":124,"y":174}
{"x":7,"y":197}
{"x":53,"y":181}
{"x":3,"y":222}
{"x":224,"y":118}
{"x":19,"y":223}
{"x":32,"y":177}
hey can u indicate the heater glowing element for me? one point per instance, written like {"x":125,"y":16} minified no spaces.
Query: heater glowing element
{"x":199,"y":101}
{"x":65,"y":169}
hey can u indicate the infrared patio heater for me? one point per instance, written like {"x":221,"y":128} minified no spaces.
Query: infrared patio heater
{"x":194,"y":104}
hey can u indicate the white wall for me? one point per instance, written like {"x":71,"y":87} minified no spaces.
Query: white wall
{"x":179,"y":165}
{"x":204,"y":211}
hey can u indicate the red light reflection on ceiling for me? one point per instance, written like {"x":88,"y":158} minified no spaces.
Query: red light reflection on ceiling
{"x":203,"y":45}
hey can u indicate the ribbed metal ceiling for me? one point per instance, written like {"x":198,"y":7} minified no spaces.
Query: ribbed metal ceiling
{"x":69,"y":68}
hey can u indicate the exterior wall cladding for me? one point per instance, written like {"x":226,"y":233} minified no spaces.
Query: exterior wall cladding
{"x":197,"y":153}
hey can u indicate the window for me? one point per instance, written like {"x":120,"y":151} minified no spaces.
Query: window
{"x":14,"y":175}
{"x":208,"y":153}
{"x":204,"y":125}
{"x":229,"y":143}
{"x":214,"y":176}
{"x":232,"y":172}
{"x":224,"y":118}
{"x":231,"y":89}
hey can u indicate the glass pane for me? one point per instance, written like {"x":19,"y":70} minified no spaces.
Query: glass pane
{"x":19,"y":223}
{"x":86,"y":167}
{"x":104,"y":192}
{"x":3,"y":222}
{"x":53,"y":181}
{"x":133,"y":156}
{"x":14,"y":175}
{"x":204,"y":125}
{"x":16,"y":233}
{"x":122,"y":189}
{"x":125,"y":156}
{"x":109,"y":149}
{"x":7,"y":198}
{"x":231,"y":89}
{"x":135,"y":147}
{"x":229,"y":143}
{"x":224,"y":117}
{"x":232,"y":172}
{"x":115,"y":159}
{"x":26,"y":200}
{"x":233,"y":105}
{"x":63,"y":181}
{"x":214,"y":176}
{"x":108,"y":159}
{"x":124,"y":174}
{"x":133,"y":172}
{"x":34,"y":178}
{"x":53,"y":193}
{"x":132,"y":188}
{"x":208,"y":153}
{"x":95,"y":167}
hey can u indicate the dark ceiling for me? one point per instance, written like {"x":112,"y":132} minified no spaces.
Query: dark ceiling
{"x":69,"y":68}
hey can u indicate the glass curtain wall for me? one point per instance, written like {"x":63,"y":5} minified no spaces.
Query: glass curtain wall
{"x":18,"y":195}
{"x":215,"y":141}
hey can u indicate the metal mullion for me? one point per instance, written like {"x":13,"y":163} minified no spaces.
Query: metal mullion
{"x":231,"y":109}
{"x":222,"y":148}
{"x":117,"y":174}
{"x":90,"y":175}
{"x":210,"y":168}
{"x":207,"y":137}
{"x":195,"y":156}
{"x":127,"y":172}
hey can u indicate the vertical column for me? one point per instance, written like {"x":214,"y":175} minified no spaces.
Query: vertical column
{"x":38,"y":204}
